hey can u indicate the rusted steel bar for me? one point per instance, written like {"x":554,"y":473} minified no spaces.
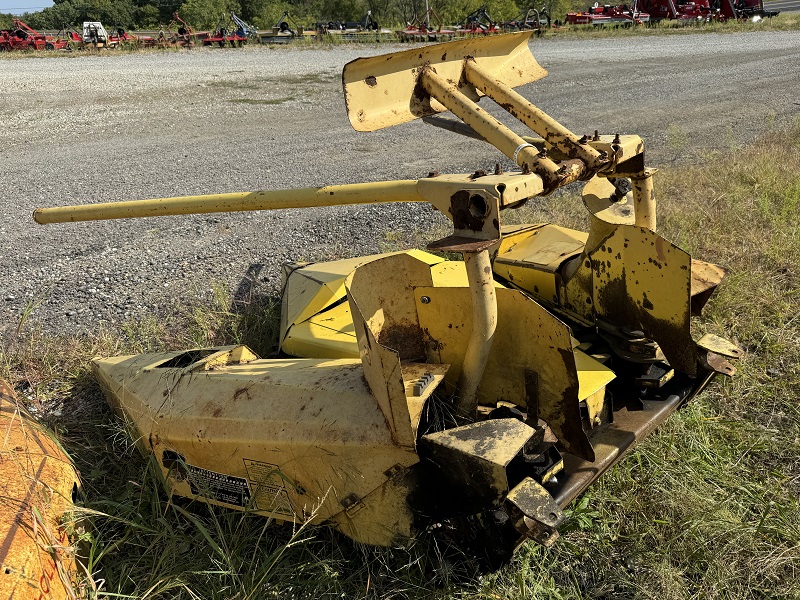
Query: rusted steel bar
{"x":543,"y":124}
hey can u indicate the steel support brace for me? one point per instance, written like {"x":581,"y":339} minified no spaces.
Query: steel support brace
{"x":644,"y":199}
{"x":536,"y":119}
{"x":492,"y":130}
{"x":484,"y":323}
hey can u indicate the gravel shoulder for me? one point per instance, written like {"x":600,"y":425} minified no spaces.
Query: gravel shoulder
{"x":129,"y":126}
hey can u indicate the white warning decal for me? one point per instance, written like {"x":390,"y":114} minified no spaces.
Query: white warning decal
{"x":207,"y":484}
{"x":218,"y":486}
{"x":268,"y":487}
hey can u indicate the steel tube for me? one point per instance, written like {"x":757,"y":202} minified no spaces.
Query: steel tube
{"x":332,"y":195}
{"x":644,"y":199}
{"x":492,"y":130}
{"x":536,"y":119}
{"x":484,"y":323}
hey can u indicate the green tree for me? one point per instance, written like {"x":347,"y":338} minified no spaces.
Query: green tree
{"x":205,"y":14}
{"x":147,"y":17}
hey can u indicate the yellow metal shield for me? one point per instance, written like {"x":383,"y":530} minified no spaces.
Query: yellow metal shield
{"x":382,"y":91}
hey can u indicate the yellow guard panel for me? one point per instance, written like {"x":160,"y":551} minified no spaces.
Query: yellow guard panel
{"x":381,"y":91}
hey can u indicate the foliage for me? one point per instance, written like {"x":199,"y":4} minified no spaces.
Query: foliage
{"x":205,"y":14}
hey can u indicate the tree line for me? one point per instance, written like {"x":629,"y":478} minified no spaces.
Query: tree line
{"x":263,"y":14}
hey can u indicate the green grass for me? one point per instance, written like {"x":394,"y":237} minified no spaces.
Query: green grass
{"x":706,"y":507}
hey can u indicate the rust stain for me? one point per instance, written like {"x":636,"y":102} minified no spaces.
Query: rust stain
{"x":616,"y":305}
{"x":462,"y":217}
{"x":242,"y":391}
{"x":404,"y":338}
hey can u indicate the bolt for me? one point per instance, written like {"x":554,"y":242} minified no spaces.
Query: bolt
{"x":583,"y":140}
{"x":479,"y":173}
{"x":498,"y":170}
{"x":425,"y":300}
{"x":616,"y":139}
{"x":433,"y":173}
{"x":596,"y":137}
{"x":542,"y":153}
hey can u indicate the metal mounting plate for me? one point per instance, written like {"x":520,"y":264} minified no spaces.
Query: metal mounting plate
{"x":382,"y":91}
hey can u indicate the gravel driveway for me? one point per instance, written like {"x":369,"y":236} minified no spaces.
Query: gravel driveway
{"x":127,"y":126}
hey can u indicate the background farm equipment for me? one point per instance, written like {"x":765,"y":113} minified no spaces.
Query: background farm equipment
{"x":226,"y":33}
{"x":473,"y":398}
{"x":284,"y":31}
{"x":96,"y":36}
{"x":242,"y":28}
{"x":609,"y":15}
{"x":426,"y":28}
{"x":183,"y":36}
{"x":706,"y":10}
{"x":530,"y":19}
{"x":23,"y":37}
{"x":366,"y":30}
{"x":686,"y":12}
{"x":479,"y":23}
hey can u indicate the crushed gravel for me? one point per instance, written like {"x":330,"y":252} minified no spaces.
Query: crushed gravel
{"x":127,"y":126}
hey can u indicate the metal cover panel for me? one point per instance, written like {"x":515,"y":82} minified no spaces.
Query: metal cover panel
{"x":642,"y":281}
{"x":315,"y":421}
{"x":312,"y":340}
{"x":527,"y":338}
{"x":546,"y":247}
{"x":382,"y":91}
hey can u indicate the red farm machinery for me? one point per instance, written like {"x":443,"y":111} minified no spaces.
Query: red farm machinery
{"x":23,"y":37}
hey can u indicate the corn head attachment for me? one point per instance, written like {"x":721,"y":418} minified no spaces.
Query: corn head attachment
{"x":475,"y":398}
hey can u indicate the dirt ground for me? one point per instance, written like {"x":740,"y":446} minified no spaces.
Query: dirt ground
{"x":129,"y":126}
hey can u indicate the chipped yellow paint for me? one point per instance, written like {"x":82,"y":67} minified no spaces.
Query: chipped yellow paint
{"x":307,"y":430}
{"x":381,"y":91}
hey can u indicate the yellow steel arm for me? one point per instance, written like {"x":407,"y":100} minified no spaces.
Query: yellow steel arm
{"x":331,"y":195}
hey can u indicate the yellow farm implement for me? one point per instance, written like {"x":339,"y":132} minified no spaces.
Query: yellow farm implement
{"x":475,"y":397}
